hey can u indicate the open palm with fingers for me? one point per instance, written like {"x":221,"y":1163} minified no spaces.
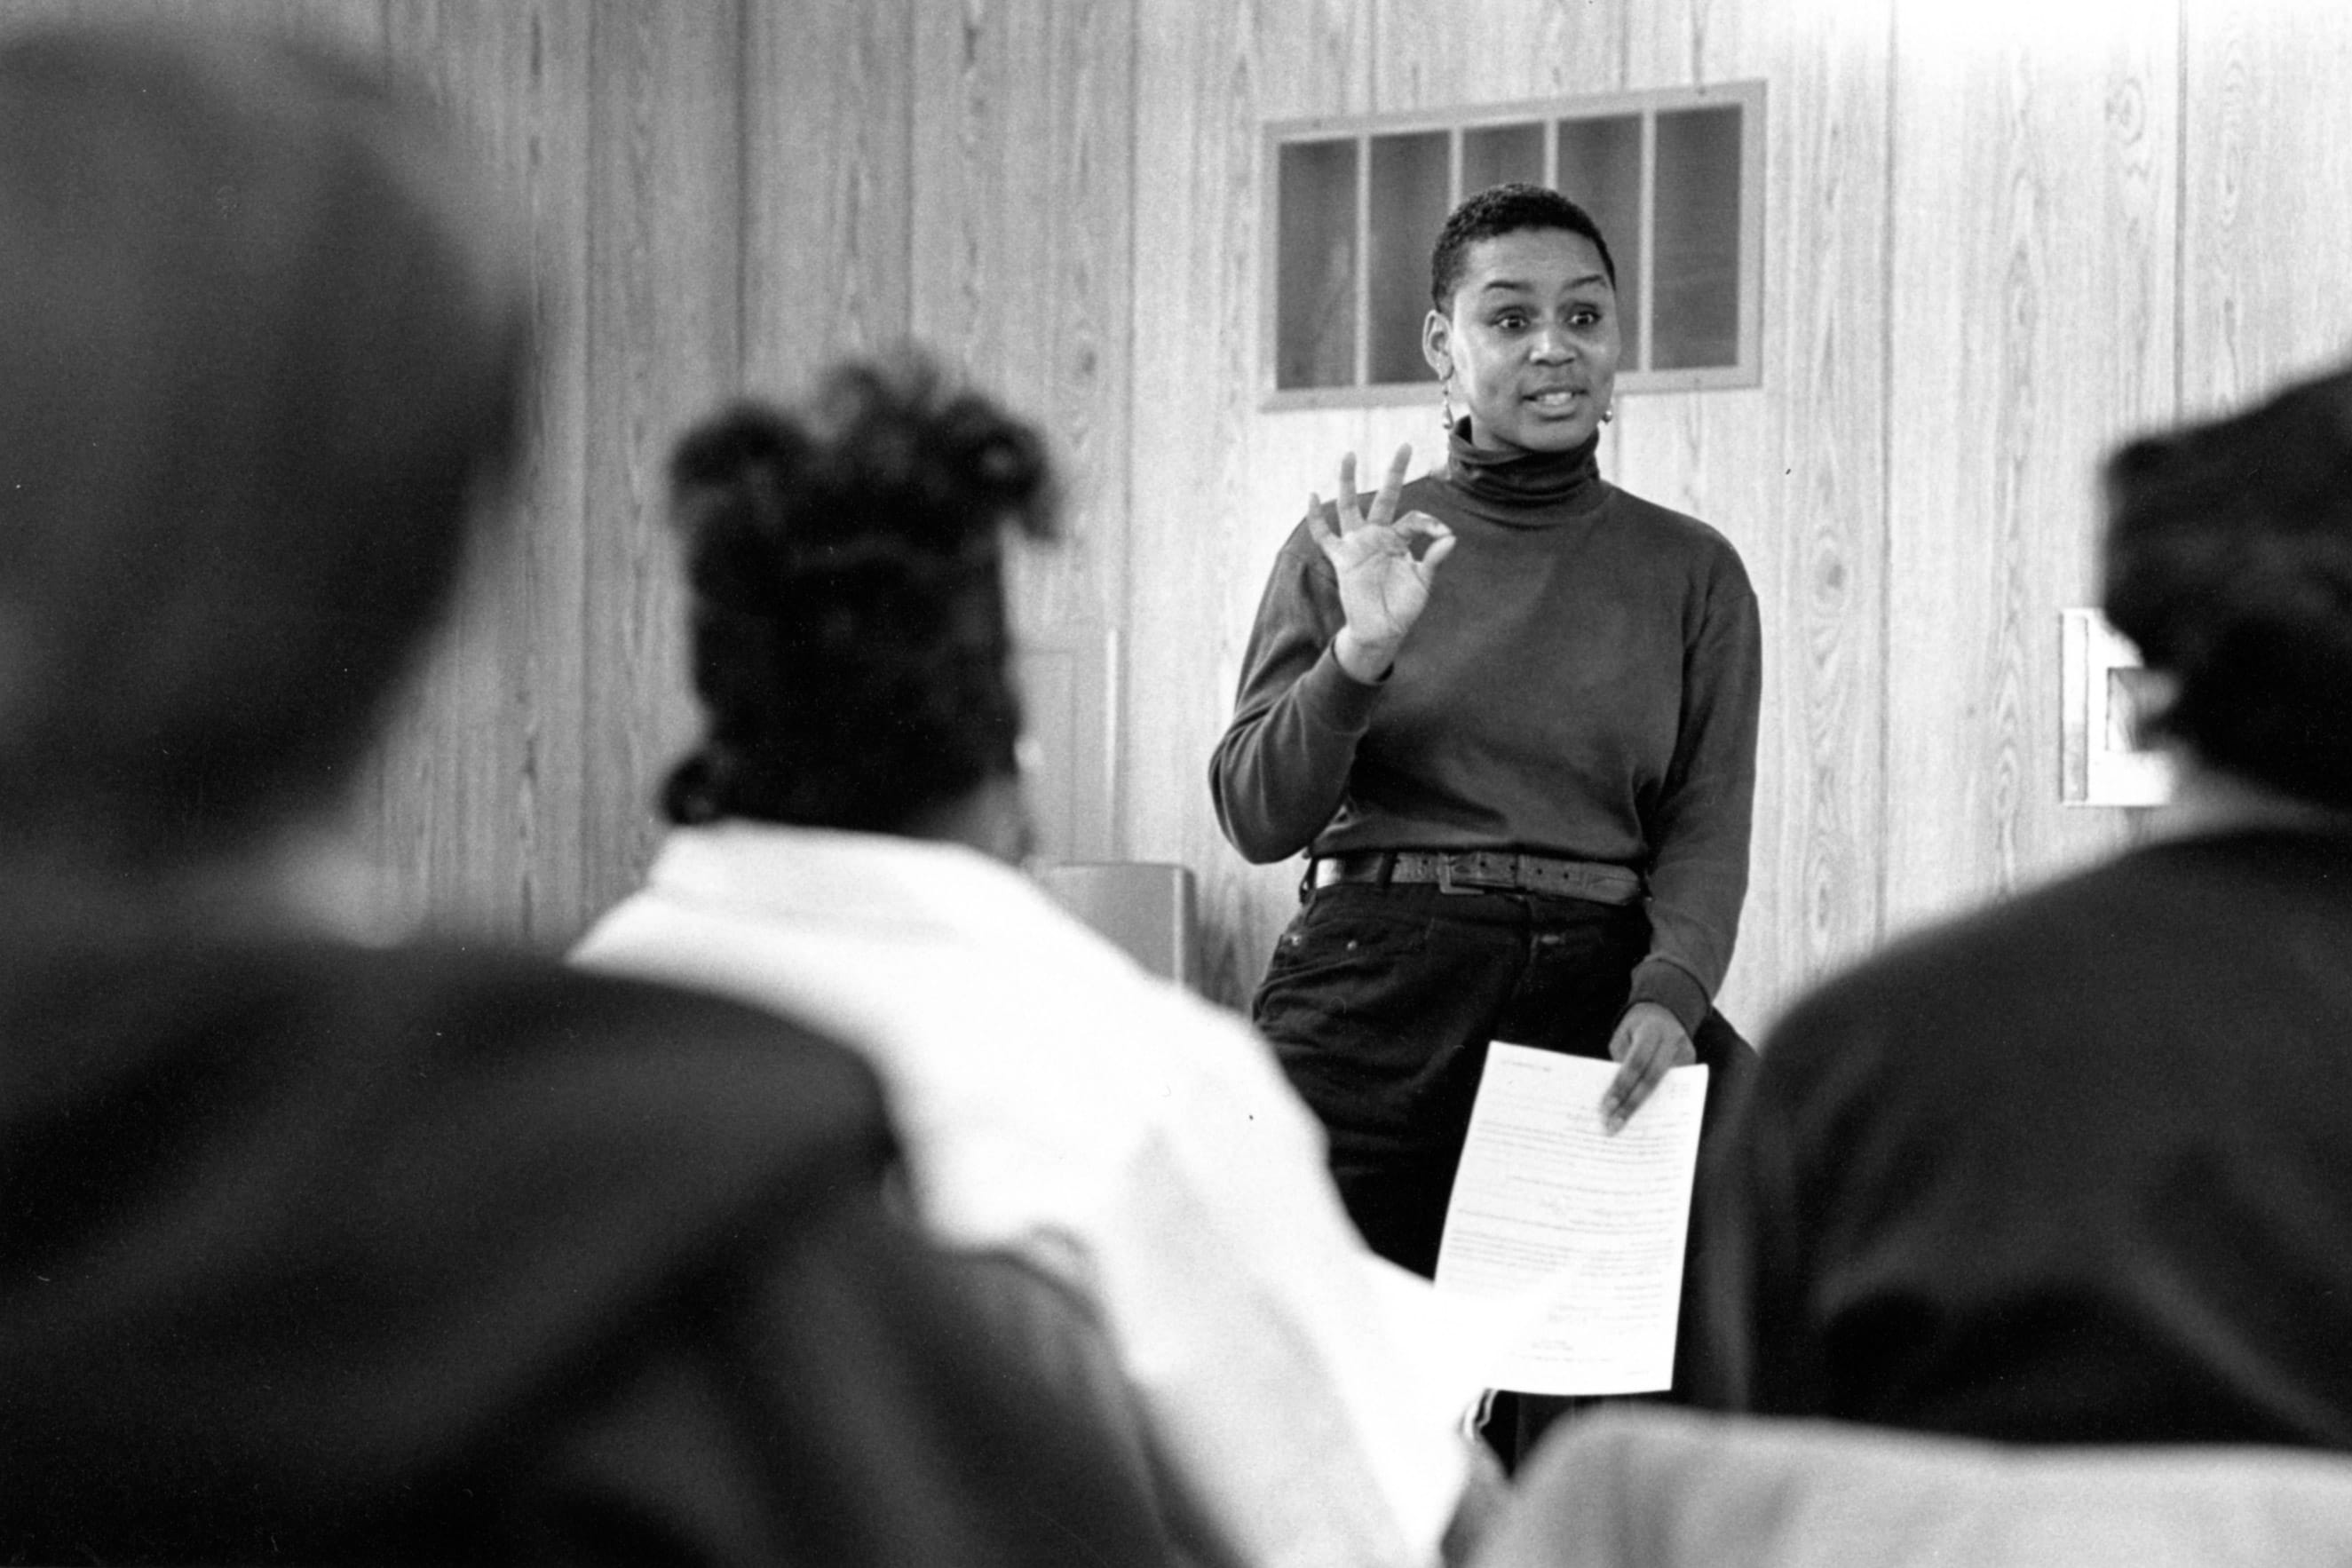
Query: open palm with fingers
{"x":1384,"y":564}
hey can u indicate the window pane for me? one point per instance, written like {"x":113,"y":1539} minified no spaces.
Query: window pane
{"x":1498,"y":154}
{"x":1408,"y":192}
{"x":1696,"y":273}
{"x":1314,"y":290}
{"x":1601,"y":170}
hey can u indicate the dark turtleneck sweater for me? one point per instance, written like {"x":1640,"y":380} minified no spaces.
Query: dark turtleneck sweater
{"x":1583,"y":683}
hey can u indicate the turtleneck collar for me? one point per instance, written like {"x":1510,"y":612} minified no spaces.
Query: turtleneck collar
{"x":1518,"y":479}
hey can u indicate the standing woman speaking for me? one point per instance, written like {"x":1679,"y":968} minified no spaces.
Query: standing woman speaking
{"x":1509,"y":711}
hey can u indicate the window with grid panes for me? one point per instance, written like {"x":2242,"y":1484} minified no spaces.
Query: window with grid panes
{"x":1674,"y":178}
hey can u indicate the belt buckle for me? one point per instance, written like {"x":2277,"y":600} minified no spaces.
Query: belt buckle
{"x":1445,"y":878}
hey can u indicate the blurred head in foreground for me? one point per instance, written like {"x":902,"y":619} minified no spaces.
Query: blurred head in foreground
{"x":850,"y":645}
{"x":2229,"y":563}
{"x":261,"y":359}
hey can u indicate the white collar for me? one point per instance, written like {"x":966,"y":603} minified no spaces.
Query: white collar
{"x":773,"y":870}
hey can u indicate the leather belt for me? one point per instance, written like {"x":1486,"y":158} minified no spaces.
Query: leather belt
{"x":1482,"y":870}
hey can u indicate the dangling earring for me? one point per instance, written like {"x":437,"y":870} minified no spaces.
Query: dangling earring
{"x":1608,"y":413}
{"x":1445,"y":404}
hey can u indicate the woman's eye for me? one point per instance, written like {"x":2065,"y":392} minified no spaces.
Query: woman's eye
{"x":1510,"y":320}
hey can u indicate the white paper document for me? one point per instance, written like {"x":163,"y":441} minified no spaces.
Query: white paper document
{"x":1583,"y":1229}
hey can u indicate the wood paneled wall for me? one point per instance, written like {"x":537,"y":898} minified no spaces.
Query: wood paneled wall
{"x":1998,"y":238}
{"x":515,"y":794}
{"x":720,"y":196}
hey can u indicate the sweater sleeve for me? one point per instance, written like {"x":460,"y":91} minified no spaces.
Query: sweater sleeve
{"x":1699,"y":825}
{"x":1281,"y":771}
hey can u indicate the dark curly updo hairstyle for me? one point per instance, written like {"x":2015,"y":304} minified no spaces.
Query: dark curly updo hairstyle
{"x":850,"y":645}
{"x":1505,"y":209}
{"x":2229,"y":562}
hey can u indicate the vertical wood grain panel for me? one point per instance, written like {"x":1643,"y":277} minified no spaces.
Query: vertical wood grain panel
{"x":1019,"y":196}
{"x":1820,"y":555}
{"x":2035,"y":197}
{"x":1199,"y":245}
{"x":479,"y":801}
{"x":978,"y":147}
{"x":1216,"y":485}
{"x":826,"y":117}
{"x":2268,"y":146}
{"x":1084,"y":77}
{"x":1497,"y":51}
{"x":664,"y":348}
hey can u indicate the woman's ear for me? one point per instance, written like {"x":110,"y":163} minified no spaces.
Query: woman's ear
{"x":1437,"y":344}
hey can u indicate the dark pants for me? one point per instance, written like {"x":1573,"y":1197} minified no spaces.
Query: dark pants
{"x":1380,"y":1001}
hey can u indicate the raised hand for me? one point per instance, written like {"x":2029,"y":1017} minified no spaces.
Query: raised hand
{"x":1384,"y":564}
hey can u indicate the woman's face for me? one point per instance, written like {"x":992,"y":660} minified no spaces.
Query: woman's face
{"x":1531,"y":341}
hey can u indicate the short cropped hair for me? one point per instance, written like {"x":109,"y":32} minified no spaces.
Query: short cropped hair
{"x":260,"y":348}
{"x":1499,"y":210}
{"x":849,"y":638}
{"x":2229,"y":563}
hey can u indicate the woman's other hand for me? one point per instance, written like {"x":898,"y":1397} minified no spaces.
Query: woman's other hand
{"x":1650,"y":1042}
{"x":1384,"y":564}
